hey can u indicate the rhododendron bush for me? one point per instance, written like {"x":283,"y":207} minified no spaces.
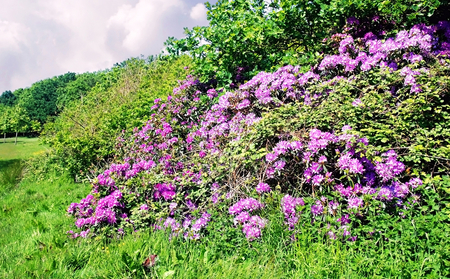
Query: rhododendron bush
{"x":276,"y":138}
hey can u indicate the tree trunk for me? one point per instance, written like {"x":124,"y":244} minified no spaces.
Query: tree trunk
{"x":15,"y":143}
{"x":4,"y":138}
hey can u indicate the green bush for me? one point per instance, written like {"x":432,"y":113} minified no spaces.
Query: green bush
{"x":263,"y":35}
{"x":85,"y":132}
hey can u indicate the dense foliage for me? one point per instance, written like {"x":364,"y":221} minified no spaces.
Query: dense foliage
{"x":85,"y":132}
{"x":283,"y":141}
{"x":262,"y":35}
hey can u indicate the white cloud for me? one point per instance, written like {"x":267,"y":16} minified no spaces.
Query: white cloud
{"x":143,"y":22}
{"x":43,"y":38}
{"x":13,"y":35}
{"x":198,"y":12}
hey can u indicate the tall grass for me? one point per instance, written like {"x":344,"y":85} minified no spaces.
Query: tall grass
{"x":11,"y":174}
{"x":34,"y":244}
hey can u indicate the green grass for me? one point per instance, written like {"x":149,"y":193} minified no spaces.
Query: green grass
{"x":12,"y":156}
{"x":34,"y":244}
{"x":25,"y":148}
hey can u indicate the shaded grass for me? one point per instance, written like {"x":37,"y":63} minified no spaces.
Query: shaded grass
{"x":11,"y":159}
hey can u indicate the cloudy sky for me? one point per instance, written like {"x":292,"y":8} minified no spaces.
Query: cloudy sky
{"x":44,"y":38}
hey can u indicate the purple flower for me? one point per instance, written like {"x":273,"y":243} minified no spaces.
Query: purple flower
{"x":322,"y":160}
{"x":333,"y":206}
{"x":279,"y":165}
{"x":262,"y":187}
{"x":344,"y":220}
{"x":249,"y":204}
{"x":317,"y":208}
{"x":242,"y":217}
{"x":346,"y":128}
{"x":270,"y":157}
{"x":357,"y":103}
{"x":415,"y":182}
{"x":244,"y":104}
{"x":270,"y":172}
{"x":317,"y":179}
{"x":201,"y":222}
{"x":85,"y":233}
{"x":385,"y":193}
{"x":355,"y":202}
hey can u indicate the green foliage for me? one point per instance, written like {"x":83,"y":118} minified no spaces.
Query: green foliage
{"x":85,"y":132}
{"x":7,"y":98}
{"x":76,"y":89}
{"x":261,"y":35}
{"x":40,"y":99}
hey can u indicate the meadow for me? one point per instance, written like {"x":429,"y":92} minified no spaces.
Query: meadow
{"x":35,"y":244}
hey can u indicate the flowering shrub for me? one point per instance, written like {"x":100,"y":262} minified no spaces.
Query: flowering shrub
{"x":200,"y":152}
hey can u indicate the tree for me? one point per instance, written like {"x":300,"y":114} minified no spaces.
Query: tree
{"x":4,"y":120}
{"x":76,"y":89}
{"x":40,"y":99}
{"x":262,"y":35}
{"x":19,"y":120}
{"x":7,"y":98}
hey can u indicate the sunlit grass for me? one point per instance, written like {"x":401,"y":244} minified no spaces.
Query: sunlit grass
{"x":25,"y":148}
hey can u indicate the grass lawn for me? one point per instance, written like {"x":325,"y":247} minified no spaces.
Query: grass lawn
{"x":25,"y":148}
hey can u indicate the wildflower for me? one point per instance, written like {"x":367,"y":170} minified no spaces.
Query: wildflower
{"x":317,"y":208}
{"x":270,"y":157}
{"x":355,"y":202}
{"x":262,"y":187}
{"x":279,"y":165}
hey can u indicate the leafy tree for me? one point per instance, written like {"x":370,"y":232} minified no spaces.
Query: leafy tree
{"x":7,"y":98}
{"x":19,"y":120}
{"x":76,"y":89}
{"x":4,"y":120}
{"x":261,"y":35}
{"x":40,"y":99}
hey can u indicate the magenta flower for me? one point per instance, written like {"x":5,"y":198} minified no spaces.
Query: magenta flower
{"x":262,"y":188}
{"x":270,"y":157}
{"x":355,"y":202}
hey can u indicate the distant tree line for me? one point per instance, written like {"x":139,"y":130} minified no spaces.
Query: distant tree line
{"x":26,"y":110}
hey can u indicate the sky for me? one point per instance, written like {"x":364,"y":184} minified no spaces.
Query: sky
{"x":45,"y":38}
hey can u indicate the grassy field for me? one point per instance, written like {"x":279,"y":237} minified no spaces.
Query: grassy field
{"x":34,"y":244}
{"x":25,"y":148}
{"x":12,"y":156}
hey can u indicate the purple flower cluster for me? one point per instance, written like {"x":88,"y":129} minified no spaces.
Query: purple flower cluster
{"x":172,"y":155}
{"x":106,"y":211}
{"x":252,"y":225}
{"x":190,"y":227}
{"x":248,"y":204}
{"x":288,"y":205}
{"x":262,"y":188}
